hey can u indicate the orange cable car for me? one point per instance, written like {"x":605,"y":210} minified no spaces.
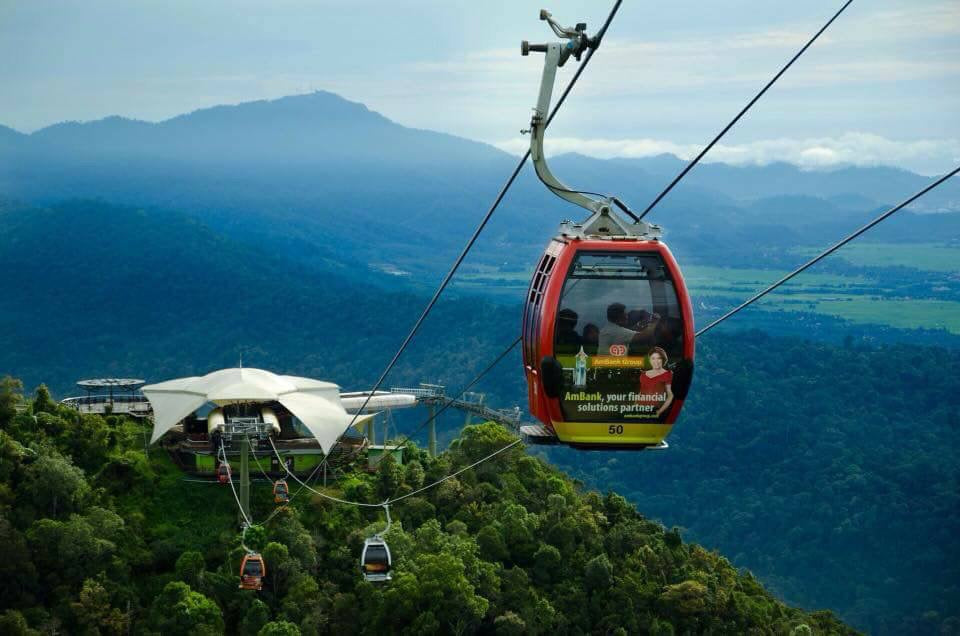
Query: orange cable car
{"x":281,"y":493}
{"x":252,"y":571}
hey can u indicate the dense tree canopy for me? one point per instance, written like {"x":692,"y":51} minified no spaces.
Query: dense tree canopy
{"x":510,"y":547}
{"x":829,"y":471}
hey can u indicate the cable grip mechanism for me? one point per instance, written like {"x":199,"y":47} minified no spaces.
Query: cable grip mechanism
{"x":602,"y":220}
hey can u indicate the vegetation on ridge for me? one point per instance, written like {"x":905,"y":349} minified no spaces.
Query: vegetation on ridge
{"x":102,"y":539}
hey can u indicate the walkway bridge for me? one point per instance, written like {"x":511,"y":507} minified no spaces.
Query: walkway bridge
{"x":434,"y":395}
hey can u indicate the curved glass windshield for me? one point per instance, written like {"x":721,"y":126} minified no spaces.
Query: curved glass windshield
{"x":376,"y":555}
{"x":619,"y":330}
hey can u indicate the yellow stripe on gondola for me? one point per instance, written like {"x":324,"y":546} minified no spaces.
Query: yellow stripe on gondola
{"x":611,"y":433}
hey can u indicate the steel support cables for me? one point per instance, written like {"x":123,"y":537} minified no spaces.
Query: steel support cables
{"x":257,"y":462}
{"x":409,"y":494}
{"x":243,"y":513}
{"x":315,"y":491}
{"x":432,"y":418}
{"x":451,"y":401}
{"x":486,"y":218}
{"x":466,"y":388}
{"x":828,"y":251}
{"x":454,"y":474}
{"x":743,"y":112}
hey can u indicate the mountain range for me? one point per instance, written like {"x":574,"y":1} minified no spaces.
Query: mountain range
{"x":330,"y":182}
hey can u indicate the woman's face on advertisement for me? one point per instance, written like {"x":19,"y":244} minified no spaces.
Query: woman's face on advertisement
{"x":656,"y":361}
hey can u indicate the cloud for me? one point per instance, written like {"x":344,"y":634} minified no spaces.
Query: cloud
{"x":879,"y":46}
{"x":927,"y":156}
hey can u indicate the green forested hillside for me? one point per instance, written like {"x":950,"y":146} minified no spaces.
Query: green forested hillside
{"x":831,"y":472}
{"x":100,"y":539}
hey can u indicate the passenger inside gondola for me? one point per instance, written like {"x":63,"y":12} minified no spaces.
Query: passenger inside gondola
{"x":591,"y":338}
{"x":567,"y":338}
{"x":646,"y":325}
{"x":615,"y":332}
{"x":620,"y":331}
{"x":669,"y":335}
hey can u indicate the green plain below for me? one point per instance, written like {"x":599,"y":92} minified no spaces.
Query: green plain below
{"x":930,"y":257}
{"x":903,"y":313}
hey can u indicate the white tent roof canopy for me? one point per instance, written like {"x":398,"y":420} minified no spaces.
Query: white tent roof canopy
{"x":317,"y":404}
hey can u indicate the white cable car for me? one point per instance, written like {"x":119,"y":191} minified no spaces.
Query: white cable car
{"x":375,"y":560}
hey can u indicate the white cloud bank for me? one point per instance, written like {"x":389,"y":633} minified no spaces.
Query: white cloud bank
{"x":926,"y":156}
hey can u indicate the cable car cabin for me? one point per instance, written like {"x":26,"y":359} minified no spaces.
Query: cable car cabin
{"x":608,"y":343}
{"x":223,"y":473}
{"x":281,"y":494}
{"x":252,"y":571}
{"x":375,"y":561}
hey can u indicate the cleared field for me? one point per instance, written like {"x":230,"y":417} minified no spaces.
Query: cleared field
{"x":931,"y":257}
{"x":896,"y":312}
{"x":704,"y":278}
{"x":852,"y":298}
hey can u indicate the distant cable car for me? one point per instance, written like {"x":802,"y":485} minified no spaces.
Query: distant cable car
{"x":223,"y":473}
{"x":252,"y":571}
{"x":281,"y":493}
{"x":375,"y":560}
{"x":608,"y":340}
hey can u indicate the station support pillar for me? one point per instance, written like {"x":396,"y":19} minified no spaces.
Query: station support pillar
{"x":432,"y":439}
{"x":245,"y":478}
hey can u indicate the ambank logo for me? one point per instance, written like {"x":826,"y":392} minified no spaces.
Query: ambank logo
{"x":618,"y":350}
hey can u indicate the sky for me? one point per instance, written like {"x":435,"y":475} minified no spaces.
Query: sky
{"x":882,"y":85}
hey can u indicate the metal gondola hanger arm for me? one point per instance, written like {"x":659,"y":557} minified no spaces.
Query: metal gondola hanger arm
{"x":601,"y":222}
{"x":386,"y":509}
{"x":556,"y":55}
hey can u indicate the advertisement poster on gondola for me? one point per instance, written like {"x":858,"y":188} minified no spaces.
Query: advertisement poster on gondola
{"x":616,"y":386}
{"x":617,"y":336}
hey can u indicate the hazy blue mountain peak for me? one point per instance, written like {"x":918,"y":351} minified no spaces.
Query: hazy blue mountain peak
{"x":9,"y":133}
{"x":299,"y":130}
{"x":112,"y":123}
{"x":323,"y":105}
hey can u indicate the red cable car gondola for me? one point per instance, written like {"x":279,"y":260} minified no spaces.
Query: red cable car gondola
{"x":223,"y":472}
{"x":608,"y":338}
{"x":608,"y":342}
{"x":252,"y":571}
